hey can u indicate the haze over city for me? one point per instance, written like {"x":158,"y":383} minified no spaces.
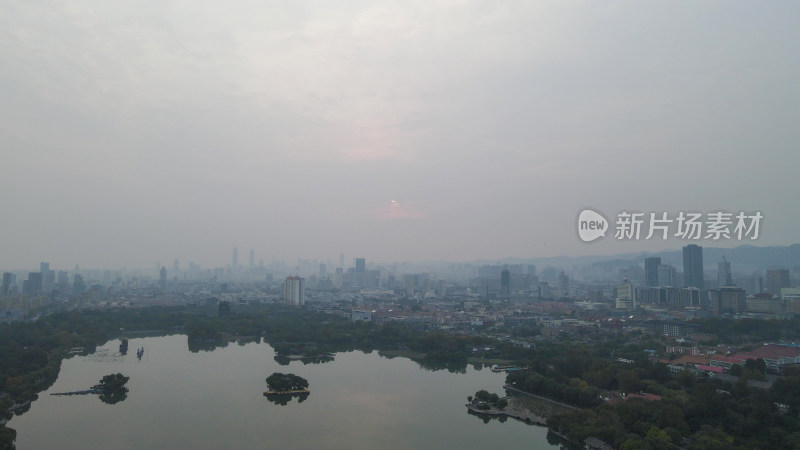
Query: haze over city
{"x":138,"y":133}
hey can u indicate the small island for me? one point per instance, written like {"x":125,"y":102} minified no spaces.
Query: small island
{"x":112,"y":388}
{"x":487,"y":405}
{"x":282,"y":387}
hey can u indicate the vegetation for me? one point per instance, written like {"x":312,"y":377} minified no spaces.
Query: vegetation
{"x":281,"y":382}
{"x":283,"y":388}
{"x":580,"y":372}
{"x":747,"y":330}
{"x":113,"y":387}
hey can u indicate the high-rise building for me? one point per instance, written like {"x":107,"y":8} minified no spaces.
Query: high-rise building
{"x":235,"y":262}
{"x":293,"y":291}
{"x":442,"y":289}
{"x":323,"y":271}
{"x":361,"y":265}
{"x":44,"y":269}
{"x":563,"y":283}
{"x":752,"y":284}
{"x":693,"y":266}
{"x":176,"y":268}
{"x":651,"y":271}
{"x":505,"y":283}
{"x":409,"y":281}
{"x":252,"y":259}
{"x":730,"y":300}
{"x":78,"y":284}
{"x":162,"y":278}
{"x":724,"y":277}
{"x":33,"y":285}
{"x":63,"y":281}
{"x":625,"y":296}
{"x":341,"y":260}
{"x":667,"y":276}
{"x":777,"y":279}
{"x":9,"y":280}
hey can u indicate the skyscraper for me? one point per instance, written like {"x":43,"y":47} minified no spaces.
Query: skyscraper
{"x":235,"y":262}
{"x":777,"y":279}
{"x":44,"y":269}
{"x":63,"y":281}
{"x":625,"y":296}
{"x":651,"y":270}
{"x":724,"y":277}
{"x":162,"y":278}
{"x":563,"y":282}
{"x":9,"y":280}
{"x":293,"y":291}
{"x":505,"y":283}
{"x":361,"y":265}
{"x":667,"y":276}
{"x":693,"y":266}
{"x":33,"y":285}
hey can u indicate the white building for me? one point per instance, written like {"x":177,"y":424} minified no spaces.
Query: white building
{"x":294,"y":291}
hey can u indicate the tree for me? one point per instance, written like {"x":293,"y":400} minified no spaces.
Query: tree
{"x":286,"y":382}
{"x":113,"y":387}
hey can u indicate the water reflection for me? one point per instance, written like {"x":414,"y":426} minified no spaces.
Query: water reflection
{"x":114,"y":397}
{"x":398,"y":404}
{"x":450,"y":366}
{"x":284,"y":399}
{"x":209,"y":345}
{"x":486,"y":418}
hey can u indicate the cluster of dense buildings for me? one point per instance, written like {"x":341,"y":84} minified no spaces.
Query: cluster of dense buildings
{"x":689,"y":292}
{"x":652,"y":288}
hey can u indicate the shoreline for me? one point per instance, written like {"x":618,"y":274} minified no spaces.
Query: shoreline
{"x":513,"y":412}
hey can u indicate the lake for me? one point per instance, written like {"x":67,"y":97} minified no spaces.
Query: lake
{"x":213,"y":400}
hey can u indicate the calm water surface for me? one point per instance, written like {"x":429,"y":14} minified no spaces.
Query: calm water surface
{"x":213,"y":400}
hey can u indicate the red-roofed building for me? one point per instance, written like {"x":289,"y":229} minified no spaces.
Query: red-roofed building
{"x":726,"y":362}
{"x":711,"y":369}
{"x":645,"y":397}
{"x":775,"y":356}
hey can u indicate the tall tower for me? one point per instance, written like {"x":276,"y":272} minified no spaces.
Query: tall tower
{"x":563,"y":282}
{"x":235,"y":263}
{"x":724,"y":273}
{"x":667,"y":276}
{"x":651,"y":270}
{"x":693,"y":266}
{"x":162,"y":278}
{"x":361,"y":265}
{"x":44,"y":269}
{"x":293,"y":291}
{"x":505,"y":283}
{"x":777,"y":279}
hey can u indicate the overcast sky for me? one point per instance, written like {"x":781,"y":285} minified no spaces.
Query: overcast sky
{"x":138,"y":132}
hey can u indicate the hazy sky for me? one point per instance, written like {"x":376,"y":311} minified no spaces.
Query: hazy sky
{"x":137,"y":132}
